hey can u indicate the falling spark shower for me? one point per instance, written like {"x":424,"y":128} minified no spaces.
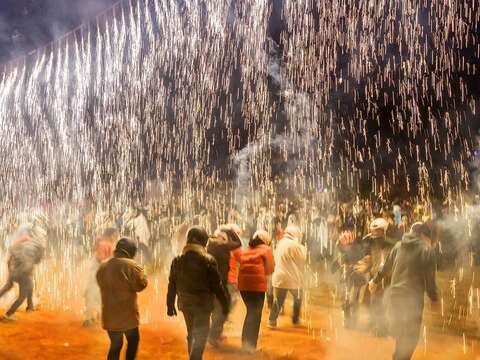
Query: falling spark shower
{"x":371,"y":92}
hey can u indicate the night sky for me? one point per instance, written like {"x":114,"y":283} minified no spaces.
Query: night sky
{"x":28,"y":24}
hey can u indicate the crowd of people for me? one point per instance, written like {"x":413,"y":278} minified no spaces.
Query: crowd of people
{"x":384,"y":254}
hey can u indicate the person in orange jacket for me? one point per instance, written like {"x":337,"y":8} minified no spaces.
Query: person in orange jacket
{"x":256,"y":264}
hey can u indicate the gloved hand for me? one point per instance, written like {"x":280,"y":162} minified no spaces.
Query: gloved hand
{"x":171,"y":311}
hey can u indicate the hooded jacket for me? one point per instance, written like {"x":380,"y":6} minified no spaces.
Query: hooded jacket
{"x":290,"y":259}
{"x":221,"y":251}
{"x":119,"y":279}
{"x":194,"y":278}
{"x":411,"y":264}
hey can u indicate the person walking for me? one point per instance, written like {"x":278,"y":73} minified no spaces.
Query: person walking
{"x":25,"y":253}
{"x":412,"y":266}
{"x":194,"y":279}
{"x":290,"y":259}
{"x":120,"y":279}
{"x":103,"y":251}
{"x":376,"y":248}
{"x":256,"y":264}
{"x":225,"y":241}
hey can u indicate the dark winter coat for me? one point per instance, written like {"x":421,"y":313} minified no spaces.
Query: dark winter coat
{"x":194,"y":278}
{"x":119,"y":279}
{"x":221,"y":251}
{"x":411,"y":264}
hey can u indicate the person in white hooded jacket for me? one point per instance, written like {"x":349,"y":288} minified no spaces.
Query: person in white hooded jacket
{"x":290,"y":259}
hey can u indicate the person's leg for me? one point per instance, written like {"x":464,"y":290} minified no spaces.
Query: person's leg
{"x":201,"y":327}
{"x":297,"y":303}
{"x":116,"y":343}
{"x":25,"y":285}
{"x":189,"y":325}
{"x":251,"y":327}
{"x":133,"y":338}
{"x":278,"y":301}
{"x":246,"y":323}
{"x":270,"y":293}
{"x":234,"y":295}
{"x":406,"y":343}
{"x":218,"y":321}
{"x":30,"y":306}
{"x":7,"y":287}
{"x":377,"y":314}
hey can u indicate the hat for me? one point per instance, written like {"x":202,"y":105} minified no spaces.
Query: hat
{"x":379,"y":224}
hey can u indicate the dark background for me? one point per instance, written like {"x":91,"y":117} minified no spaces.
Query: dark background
{"x":28,"y":24}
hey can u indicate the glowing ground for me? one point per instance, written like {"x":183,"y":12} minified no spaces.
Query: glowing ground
{"x":59,"y":335}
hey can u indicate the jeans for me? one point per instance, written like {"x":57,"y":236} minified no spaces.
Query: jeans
{"x":254,"y":302}
{"x":25,"y":284}
{"x":116,"y":343}
{"x":198,"y":326}
{"x":279,"y":296}
{"x":218,"y":317}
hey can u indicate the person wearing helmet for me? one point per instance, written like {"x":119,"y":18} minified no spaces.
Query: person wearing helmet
{"x":375,"y":250}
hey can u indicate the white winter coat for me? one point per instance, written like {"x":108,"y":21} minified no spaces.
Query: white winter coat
{"x":290,"y":259}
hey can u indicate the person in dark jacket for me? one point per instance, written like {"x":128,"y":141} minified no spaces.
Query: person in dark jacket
{"x":411,"y":264}
{"x":220,"y":247}
{"x":24,"y":254}
{"x":195,"y":280}
{"x":119,"y":279}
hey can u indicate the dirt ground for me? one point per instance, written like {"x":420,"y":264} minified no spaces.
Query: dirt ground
{"x":48,"y":334}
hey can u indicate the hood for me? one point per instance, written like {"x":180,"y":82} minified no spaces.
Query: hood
{"x":410,"y":238}
{"x":125,"y":248}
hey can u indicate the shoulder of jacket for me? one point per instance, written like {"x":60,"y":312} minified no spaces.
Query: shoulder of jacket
{"x":209,"y":259}
{"x":128,"y":262}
